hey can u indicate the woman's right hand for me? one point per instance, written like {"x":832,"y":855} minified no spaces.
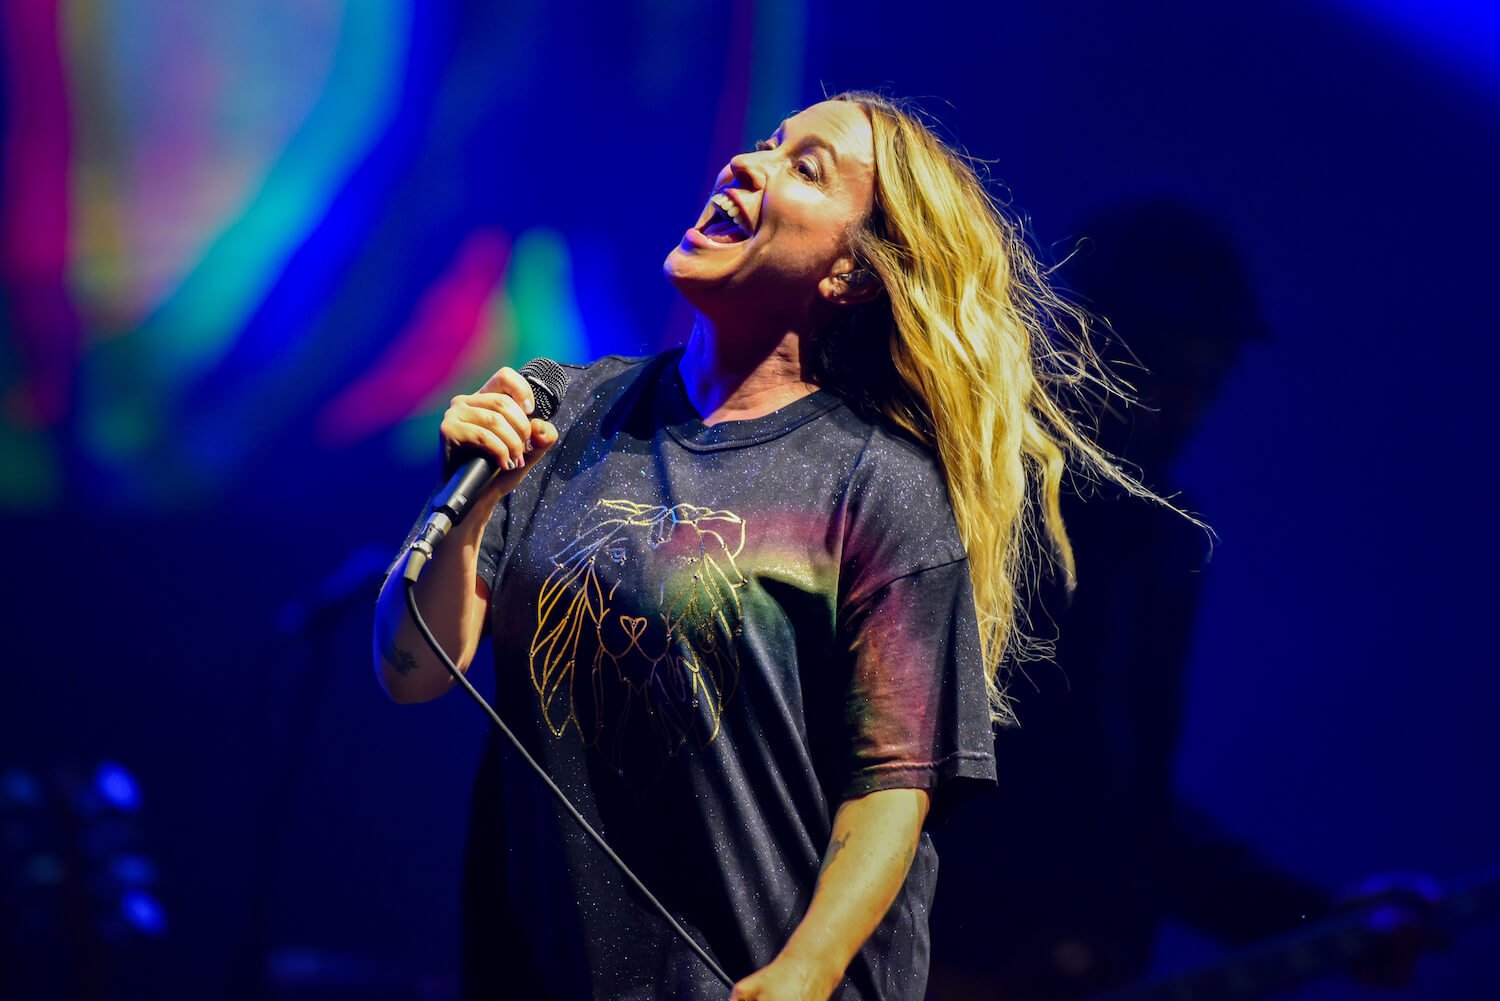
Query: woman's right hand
{"x":496,"y":421}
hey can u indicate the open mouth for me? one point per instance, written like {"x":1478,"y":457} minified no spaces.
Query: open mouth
{"x":723,"y":225}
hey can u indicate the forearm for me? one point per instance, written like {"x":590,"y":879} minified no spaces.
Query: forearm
{"x":874,"y":840}
{"x":453,"y":601}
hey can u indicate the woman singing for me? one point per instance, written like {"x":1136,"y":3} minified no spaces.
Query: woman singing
{"x":748,"y":598}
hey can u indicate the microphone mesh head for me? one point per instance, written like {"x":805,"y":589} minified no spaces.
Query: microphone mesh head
{"x":549,"y":381}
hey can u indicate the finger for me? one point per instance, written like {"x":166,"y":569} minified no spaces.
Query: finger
{"x":506,"y":406}
{"x":515,"y":441}
{"x":464,"y":426}
{"x":511,"y":382}
{"x":543,"y":436}
{"x":460,"y":439}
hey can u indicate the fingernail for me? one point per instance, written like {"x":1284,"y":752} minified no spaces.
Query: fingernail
{"x":509,"y":465}
{"x":523,"y":461}
{"x":530,"y":406}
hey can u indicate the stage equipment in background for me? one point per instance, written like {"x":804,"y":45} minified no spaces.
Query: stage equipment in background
{"x":79,"y":900}
{"x":1345,"y":942}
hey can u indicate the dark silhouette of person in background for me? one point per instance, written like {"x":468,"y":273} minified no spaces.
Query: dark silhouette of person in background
{"x":1089,"y":848}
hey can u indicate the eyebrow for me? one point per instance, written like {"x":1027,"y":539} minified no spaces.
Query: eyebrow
{"x":811,"y":139}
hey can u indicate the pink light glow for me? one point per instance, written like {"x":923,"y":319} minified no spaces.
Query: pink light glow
{"x":34,"y":157}
{"x":430,"y":349}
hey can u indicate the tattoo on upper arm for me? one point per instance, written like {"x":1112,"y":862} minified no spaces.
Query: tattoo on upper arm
{"x":834,"y":847}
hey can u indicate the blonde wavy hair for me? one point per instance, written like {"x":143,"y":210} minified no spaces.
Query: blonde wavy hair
{"x":987,"y":365}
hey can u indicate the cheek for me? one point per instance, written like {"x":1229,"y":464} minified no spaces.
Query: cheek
{"x":818,"y":232}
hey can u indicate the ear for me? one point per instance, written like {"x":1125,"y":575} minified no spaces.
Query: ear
{"x":848,"y":283}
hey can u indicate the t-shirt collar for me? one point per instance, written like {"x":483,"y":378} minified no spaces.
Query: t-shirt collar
{"x":675,"y":412}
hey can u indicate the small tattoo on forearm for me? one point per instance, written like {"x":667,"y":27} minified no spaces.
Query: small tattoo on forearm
{"x":401,"y":660}
{"x":405,"y":662}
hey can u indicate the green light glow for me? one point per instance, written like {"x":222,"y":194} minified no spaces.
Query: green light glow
{"x":29,"y":471}
{"x":200,"y":320}
{"x":540,"y":288}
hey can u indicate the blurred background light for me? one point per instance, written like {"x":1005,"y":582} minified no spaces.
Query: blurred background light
{"x":143,"y":912}
{"x":118,"y":787}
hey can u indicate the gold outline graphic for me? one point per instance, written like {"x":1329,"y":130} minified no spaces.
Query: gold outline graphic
{"x":673,"y":658}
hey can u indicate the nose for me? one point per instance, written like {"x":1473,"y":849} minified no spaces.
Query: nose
{"x":747,"y":170}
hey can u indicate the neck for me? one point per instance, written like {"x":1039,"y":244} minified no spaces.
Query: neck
{"x":740,"y":374}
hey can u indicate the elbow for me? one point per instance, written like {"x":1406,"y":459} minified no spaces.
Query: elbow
{"x":391,"y":682}
{"x":406,"y":680}
{"x":398,"y":672}
{"x":406,"y":670}
{"x":403,"y":689}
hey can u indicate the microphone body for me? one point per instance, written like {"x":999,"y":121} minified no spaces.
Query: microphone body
{"x":548,"y":382}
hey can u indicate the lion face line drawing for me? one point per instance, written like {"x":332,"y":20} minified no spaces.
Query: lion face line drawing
{"x":635,"y":642}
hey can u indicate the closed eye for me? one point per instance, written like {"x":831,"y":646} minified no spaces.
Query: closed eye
{"x":807,"y":167}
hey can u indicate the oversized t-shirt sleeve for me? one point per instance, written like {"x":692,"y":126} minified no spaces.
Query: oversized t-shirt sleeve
{"x":916,"y":714}
{"x":493,"y":544}
{"x":916,"y":710}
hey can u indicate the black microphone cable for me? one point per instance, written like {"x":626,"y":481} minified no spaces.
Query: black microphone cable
{"x":567,"y":804}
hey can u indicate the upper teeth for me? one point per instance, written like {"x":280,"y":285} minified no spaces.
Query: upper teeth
{"x":722,"y":201}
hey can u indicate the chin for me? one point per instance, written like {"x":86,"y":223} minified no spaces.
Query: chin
{"x":688,"y":273}
{"x":674,"y":265}
{"x":697,"y":291}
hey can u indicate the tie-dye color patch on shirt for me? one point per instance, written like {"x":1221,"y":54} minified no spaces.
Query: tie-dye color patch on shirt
{"x":711,"y":637}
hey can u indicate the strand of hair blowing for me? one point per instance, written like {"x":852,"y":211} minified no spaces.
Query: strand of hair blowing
{"x":979,"y":344}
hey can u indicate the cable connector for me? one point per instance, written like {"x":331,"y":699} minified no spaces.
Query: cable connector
{"x":438,"y":524}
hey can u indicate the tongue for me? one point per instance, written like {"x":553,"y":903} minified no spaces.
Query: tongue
{"x":723,"y":231}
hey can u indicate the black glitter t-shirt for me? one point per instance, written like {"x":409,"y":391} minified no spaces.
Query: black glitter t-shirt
{"x":711,"y":637}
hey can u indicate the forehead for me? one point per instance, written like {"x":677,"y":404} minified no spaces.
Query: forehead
{"x":842,"y":124}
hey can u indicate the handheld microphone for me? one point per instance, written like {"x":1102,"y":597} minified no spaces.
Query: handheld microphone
{"x":548,"y":383}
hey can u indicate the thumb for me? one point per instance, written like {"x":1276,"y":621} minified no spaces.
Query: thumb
{"x":543,"y":437}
